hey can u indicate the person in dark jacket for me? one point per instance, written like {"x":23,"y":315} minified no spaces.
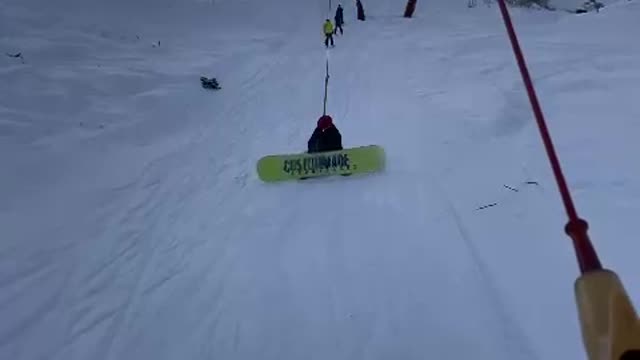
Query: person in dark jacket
{"x":339,"y":18}
{"x":360,"y":10}
{"x":325,"y":137}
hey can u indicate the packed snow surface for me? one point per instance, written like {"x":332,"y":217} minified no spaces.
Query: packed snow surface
{"x":133,"y":225}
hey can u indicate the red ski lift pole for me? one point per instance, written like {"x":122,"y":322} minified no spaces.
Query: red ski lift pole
{"x":576,"y":228}
{"x":610,"y":326}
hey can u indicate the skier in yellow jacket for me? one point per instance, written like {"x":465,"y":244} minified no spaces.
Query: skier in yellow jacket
{"x":328,"y":33}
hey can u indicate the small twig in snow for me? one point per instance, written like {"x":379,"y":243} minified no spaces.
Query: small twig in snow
{"x":510,"y":188}
{"x":486,"y":206}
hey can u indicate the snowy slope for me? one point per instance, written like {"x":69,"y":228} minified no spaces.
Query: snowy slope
{"x":133,"y":225}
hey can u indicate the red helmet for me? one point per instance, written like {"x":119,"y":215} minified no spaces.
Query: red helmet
{"x":324,"y":122}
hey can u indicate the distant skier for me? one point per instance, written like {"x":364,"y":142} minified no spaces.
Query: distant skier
{"x":325,"y":137}
{"x":328,"y":33}
{"x":360,"y":9}
{"x":339,"y":18}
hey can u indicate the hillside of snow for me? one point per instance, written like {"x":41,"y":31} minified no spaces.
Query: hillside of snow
{"x":133,"y":225}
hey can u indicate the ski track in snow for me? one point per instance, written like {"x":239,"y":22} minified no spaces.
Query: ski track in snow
{"x":136,"y":226}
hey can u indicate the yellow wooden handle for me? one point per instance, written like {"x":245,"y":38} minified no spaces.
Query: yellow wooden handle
{"x":610,"y":325}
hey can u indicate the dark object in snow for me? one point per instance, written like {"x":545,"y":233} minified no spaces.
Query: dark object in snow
{"x":510,"y":188}
{"x":487,"y":206}
{"x":210,"y":83}
{"x":590,"y":5}
{"x":360,"y":10}
{"x":17,"y":56}
{"x":411,"y":7}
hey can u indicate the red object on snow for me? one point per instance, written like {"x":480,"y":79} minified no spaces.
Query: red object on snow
{"x":325,"y":122}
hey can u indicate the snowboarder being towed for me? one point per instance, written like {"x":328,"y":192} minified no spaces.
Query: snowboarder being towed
{"x":328,"y":33}
{"x":325,"y":137}
{"x":339,"y":18}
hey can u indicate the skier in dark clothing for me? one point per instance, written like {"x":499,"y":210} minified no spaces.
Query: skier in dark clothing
{"x":360,"y":10}
{"x":339,"y":18}
{"x":325,"y":137}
